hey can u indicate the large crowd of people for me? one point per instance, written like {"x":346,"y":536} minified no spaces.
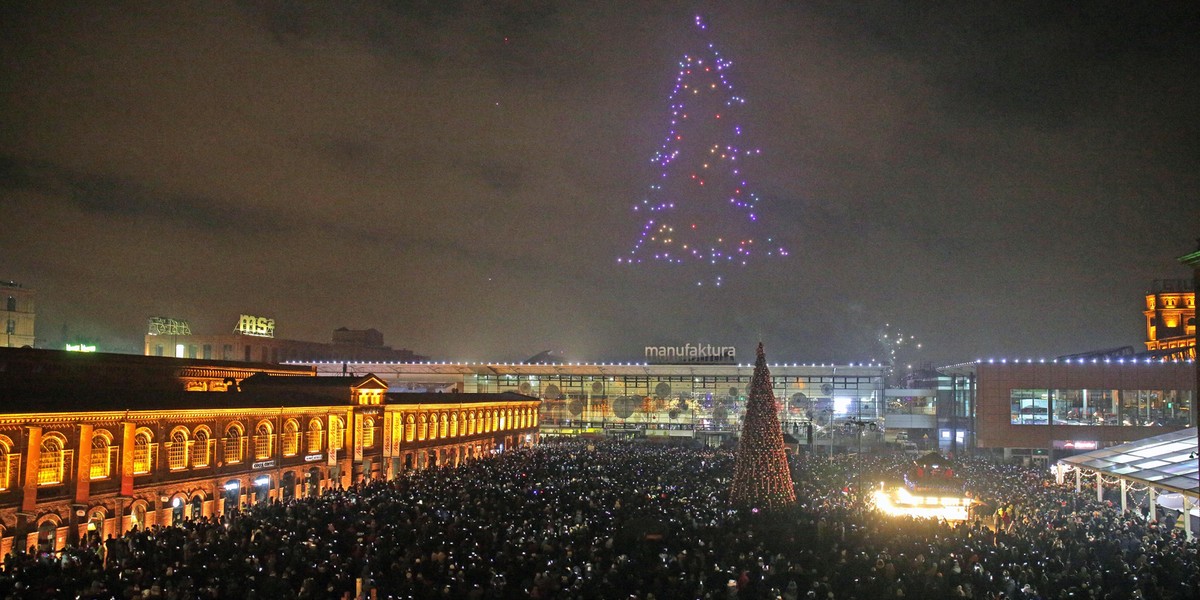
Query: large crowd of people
{"x":607,"y":520}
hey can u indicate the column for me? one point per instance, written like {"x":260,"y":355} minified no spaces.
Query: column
{"x":83,"y":474}
{"x":33,"y":456}
{"x":1187,"y":516}
{"x":1124,"y":492}
{"x":1099,"y":487}
{"x":1153,"y":504}
{"x":127,"y":444}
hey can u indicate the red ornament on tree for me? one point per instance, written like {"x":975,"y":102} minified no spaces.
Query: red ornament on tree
{"x":761,"y":478}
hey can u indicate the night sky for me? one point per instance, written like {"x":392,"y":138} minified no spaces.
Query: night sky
{"x":999,"y":179}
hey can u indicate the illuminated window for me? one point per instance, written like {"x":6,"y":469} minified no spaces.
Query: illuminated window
{"x":368,"y":432}
{"x":410,"y":428}
{"x":103,"y":455}
{"x":235,"y":444}
{"x":264,"y":441}
{"x":454,"y":425}
{"x":202,"y":448}
{"x":445,"y":423}
{"x":337,"y":433}
{"x":291,"y":438}
{"x":1029,"y":407}
{"x":433,"y":427}
{"x":9,"y":464}
{"x":52,"y":462}
{"x":422,"y":426}
{"x":177,"y":454}
{"x":143,"y":452}
{"x":315,"y":436}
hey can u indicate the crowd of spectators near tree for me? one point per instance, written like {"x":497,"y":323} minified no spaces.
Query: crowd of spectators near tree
{"x":606,"y":520}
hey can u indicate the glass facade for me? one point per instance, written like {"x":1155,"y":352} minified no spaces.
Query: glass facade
{"x":1162,"y":408}
{"x":706,"y":402}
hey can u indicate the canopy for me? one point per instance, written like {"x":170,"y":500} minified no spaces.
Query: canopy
{"x":1167,"y":461}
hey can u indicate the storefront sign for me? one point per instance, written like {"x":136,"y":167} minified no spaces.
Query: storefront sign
{"x":263,"y":464}
{"x":256,"y":326}
{"x":313,"y":457}
{"x":691,"y":353}
{"x":358,"y":442}
{"x":167,"y":326}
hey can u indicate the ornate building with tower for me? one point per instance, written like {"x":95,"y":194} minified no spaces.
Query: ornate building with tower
{"x":1171,"y":319}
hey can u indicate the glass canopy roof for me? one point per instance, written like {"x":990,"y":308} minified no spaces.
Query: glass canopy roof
{"x":1165,"y":461}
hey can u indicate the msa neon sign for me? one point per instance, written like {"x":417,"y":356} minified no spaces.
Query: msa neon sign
{"x":256,"y":326}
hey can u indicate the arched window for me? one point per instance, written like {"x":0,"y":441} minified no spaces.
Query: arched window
{"x":177,"y":453}
{"x":337,"y":433}
{"x":422,"y":426}
{"x":264,"y":440}
{"x":235,"y":443}
{"x":410,"y":427}
{"x":291,"y":438}
{"x":144,"y":451}
{"x":52,"y":463}
{"x":454,"y":425}
{"x":104,"y":454}
{"x":433,"y":426}
{"x":202,"y":447}
{"x":444,"y":430}
{"x":8,"y":474}
{"x":368,"y":432}
{"x":471,"y":424}
{"x":316,"y":437}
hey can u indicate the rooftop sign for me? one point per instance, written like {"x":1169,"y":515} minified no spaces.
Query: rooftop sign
{"x":166,"y":326}
{"x":256,"y":326}
{"x":691,"y":353}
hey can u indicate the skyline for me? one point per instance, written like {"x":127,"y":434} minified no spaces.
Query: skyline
{"x":997,"y":180}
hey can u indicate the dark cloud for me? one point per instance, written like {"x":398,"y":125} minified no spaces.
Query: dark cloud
{"x":994,"y":177}
{"x":101,"y":196}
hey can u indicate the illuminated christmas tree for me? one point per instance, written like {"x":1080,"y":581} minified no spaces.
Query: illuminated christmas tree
{"x":761,"y":478}
{"x":700,"y":208}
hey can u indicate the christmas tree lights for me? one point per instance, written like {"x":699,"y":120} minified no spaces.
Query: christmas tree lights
{"x":701,"y":208}
{"x":761,"y":478}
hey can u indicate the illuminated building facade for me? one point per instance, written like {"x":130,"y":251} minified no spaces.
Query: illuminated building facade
{"x":17,"y":314}
{"x":1041,"y":408}
{"x":95,"y":444}
{"x":650,"y":400}
{"x":1171,"y":319}
{"x":253,"y":340}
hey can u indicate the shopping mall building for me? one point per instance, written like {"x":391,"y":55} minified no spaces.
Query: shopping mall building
{"x":701,"y":400}
{"x":1037,"y":409}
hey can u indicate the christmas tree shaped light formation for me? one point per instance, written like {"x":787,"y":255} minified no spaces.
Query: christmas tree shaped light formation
{"x":761,"y":478}
{"x":700,"y":208}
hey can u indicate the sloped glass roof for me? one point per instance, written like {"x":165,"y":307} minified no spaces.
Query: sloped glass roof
{"x":1167,"y":461}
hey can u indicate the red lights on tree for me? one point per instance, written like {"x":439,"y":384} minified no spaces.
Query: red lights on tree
{"x":761,"y":478}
